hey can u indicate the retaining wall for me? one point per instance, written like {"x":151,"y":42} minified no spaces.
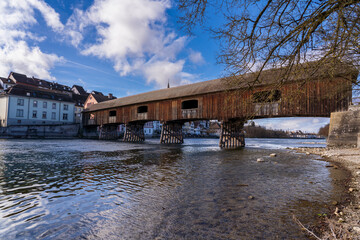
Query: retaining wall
{"x":41,"y":131}
{"x":344,"y":128}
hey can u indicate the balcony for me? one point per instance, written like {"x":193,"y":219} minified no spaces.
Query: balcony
{"x":112,"y":119}
{"x":90,"y":122}
{"x":142,"y":116}
{"x":189,"y":113}
{"x":266,"y":109}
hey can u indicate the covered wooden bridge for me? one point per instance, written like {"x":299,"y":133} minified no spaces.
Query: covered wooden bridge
{"x":229,"y":100}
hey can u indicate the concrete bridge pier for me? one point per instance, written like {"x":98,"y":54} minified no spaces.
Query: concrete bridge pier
{"x":232,"y":135}
{"x":134,"y":132}
{"x":108,"y":132}
{"x":171,"y":132}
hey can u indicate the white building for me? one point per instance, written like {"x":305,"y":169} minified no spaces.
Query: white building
{"x":26,"y":105}
{"x":149,"y":128}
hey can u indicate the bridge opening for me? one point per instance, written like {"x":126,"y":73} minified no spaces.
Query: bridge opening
{"x":112,"y":114}
{"x":189,"y":104}
{"x":142,"y":109}
{"x":266,"y":96}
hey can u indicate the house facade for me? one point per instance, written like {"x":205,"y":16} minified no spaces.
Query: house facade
{"x":25,"y":105}
{"x":97,"y":97}
{"x":79,"y":97}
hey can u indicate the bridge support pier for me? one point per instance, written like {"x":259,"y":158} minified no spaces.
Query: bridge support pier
{"x":171,"y":132}
{"x":232,"y":135}
{"x":134,"y":132}
{"x":108,"y":132}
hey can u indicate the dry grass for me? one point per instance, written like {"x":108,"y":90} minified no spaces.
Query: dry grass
{"x":331,"y":230}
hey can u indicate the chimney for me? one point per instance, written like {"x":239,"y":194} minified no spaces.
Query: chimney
{"x":110,"y":96}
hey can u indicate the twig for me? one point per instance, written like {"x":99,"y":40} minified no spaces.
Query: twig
{"x":303,"y":227}
{"x":332,"y":231}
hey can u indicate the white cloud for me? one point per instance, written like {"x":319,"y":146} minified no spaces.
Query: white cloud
{"x":51,"y":17}
{"x":161,"y":72}
{"x":196,"y":57}
{"x":31,"y":61}
{"x":15,"y":53}
{"x":132,"y":34}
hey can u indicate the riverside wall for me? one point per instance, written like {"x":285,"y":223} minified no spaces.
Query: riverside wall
{"x":41,"y":131}
{"x":345,"y":128}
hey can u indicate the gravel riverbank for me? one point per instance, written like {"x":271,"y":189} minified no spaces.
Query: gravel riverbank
{"x":344,"y":221}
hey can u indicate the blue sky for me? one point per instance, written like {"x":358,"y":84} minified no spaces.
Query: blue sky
{"x":119,"y":46}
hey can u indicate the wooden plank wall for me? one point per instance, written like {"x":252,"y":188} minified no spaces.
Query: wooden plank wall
{"x":308,"y":99}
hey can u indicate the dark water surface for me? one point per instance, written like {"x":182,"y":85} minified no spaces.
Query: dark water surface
{"x":88,"y":189}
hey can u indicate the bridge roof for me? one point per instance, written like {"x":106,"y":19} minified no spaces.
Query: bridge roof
{"x":163,"y":94}
{"x":267,"y":77}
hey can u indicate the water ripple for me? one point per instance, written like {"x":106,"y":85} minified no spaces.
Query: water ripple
{"x":96,"y":189}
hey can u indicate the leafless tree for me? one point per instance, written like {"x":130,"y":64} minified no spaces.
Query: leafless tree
{"x":256,"y":35}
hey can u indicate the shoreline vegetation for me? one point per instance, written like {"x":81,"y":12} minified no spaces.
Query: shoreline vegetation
{"x":343,"y":220}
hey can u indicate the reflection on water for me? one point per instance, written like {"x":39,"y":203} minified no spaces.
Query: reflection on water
{"x":69,"y":189}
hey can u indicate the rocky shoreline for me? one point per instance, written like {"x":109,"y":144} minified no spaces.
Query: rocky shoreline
{"x":344,"y":220}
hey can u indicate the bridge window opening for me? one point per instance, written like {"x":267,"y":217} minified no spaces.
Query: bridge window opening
{"x":142,"y":109}
{"x":266,"y":96}
{"x":190,"y":104}
{"x":92,"y":116}
{"x":112,"y":114}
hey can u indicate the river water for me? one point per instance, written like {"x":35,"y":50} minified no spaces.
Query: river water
{"x":89,"y":189}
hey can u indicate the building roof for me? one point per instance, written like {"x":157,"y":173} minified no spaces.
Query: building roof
{"x":214,"y":125}
{"x":97,"y":93}
{"x":42,"y":83}
{"x":100,"y":98}
{"x":29,"y":91}
{"x":79,"y":99}
{"x":23,"y":79}
{"x":7,"y":80}
{"x":80,"y":90}
{"x":267,"y":77}
{"x":20,"y":78}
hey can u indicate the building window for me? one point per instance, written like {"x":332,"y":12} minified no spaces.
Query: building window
{"x":53,"y":116}
{"x":189,"y":104}
{"x":34,"y":114}
{"x":35,"y":103}
{"x":19,"y":113}
{"x":266,"y":96}
{"x":44,"y":115}
{"x":20,"y":102}
{"x":142,"y":109}
{"x":44,"y":104}
{"x":54,"y":106}
{"x":65,"y":116}
{"x":66,"y":107}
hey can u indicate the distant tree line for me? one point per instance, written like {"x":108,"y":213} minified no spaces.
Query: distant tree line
{"x":252,"y":131}
{"x":324,"y":131}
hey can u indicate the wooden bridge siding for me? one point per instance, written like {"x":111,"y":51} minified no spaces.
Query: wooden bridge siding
{"x":308,"y":99}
